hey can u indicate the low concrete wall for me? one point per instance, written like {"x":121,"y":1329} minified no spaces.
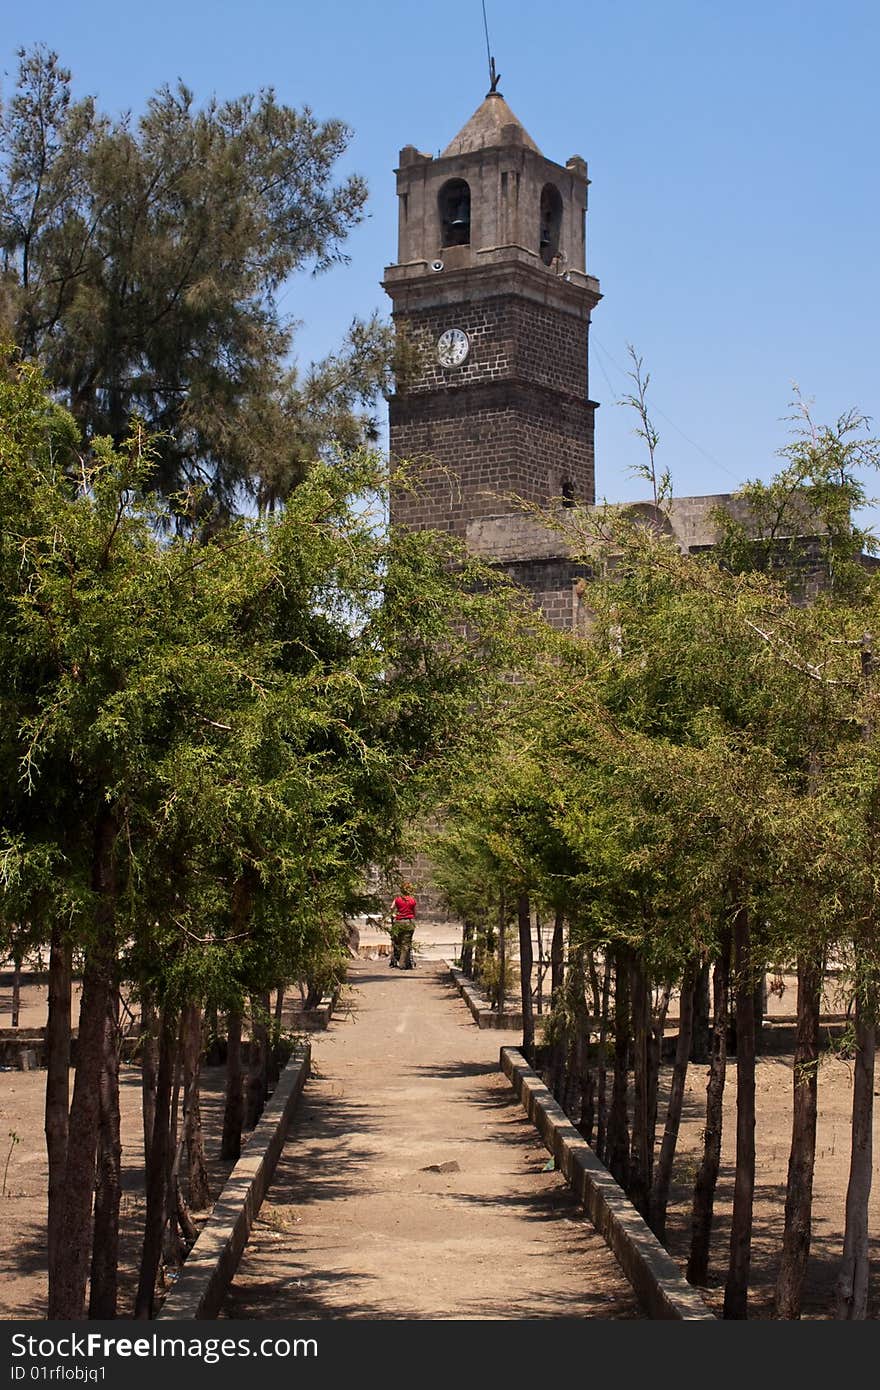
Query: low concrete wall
{"x":483,"y":1014}
{"x":15,"y":1042}
{"x":320,"y":1016}
{"x":213,"y":1260}
{"x":656,"y":1278}
{"x":12,"y":1040}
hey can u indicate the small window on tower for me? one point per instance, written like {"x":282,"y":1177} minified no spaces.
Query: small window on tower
{"x":455,"y":213}
{"x":567,"y":491}
{"x":551,"y":223}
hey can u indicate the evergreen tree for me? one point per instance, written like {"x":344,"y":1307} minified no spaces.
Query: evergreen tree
{"x":140,"y":264}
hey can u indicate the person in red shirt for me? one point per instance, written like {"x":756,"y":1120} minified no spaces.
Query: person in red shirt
{"x":403,"y":925}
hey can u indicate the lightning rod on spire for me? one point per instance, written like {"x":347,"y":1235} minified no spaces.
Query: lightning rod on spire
{"x":494,"y":77}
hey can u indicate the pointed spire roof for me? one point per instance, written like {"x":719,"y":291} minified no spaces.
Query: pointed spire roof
{"x":486,"y":129}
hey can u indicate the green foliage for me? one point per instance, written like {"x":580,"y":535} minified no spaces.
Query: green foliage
{"x":257,"y":716}
{"x":660,"y":480}
{"x":491,"y":976}
{"x":141,"y":264}
{"x":712,"y":744}
{"x":817,"y":493}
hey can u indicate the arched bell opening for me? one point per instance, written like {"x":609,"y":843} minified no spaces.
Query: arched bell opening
{"x":551,"y":223}
{"x":454,"y":201}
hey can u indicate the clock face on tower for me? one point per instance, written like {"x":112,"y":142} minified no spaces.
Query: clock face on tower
{"x":453,"y":347}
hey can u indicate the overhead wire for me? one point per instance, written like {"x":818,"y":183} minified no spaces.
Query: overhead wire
{"x":488,"y":45}
{"x":655,"y":409}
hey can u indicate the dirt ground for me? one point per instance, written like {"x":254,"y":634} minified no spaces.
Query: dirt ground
{"x":22,"y":1204}
{"x":23,"y":1279}
{"x":412,"y":1184}
{"x":772,"y":1140}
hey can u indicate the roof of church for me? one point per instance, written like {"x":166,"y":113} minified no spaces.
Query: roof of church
{"x":483,"y":130}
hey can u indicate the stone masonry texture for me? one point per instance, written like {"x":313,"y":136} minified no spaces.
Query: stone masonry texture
{"x":512,"y":422}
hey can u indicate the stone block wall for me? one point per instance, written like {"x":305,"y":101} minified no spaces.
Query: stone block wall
{"x":510,"y":336}
{"x":552,"y":587}
{"x":474,"y":458}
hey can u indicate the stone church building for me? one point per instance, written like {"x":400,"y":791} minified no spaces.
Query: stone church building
{"x":492,"y":296}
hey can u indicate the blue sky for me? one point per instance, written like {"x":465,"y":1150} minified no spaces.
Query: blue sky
{"x":735,"y":198}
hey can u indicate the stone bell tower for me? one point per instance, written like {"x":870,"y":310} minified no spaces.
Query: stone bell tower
{"x":492,"y":301}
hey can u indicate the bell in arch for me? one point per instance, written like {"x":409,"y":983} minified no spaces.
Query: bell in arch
{"x":455,"y":213}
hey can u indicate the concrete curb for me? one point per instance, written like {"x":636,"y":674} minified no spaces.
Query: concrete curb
{"x":654,"y":1275}
{"x":483,"y":1014}
{"x":213,"y":1260}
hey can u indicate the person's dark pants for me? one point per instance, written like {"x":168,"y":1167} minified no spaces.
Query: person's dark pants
{"x":401,"y":943}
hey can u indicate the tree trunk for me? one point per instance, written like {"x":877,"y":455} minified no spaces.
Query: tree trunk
{"x":233,"y":1114}
{"x":797,"y":1232}
{"x":542,"y":965}
{"x":524,"y":920}
{"x":578,"y":1090}
{"x":736,"y":1292}
{"x":655,"y":1057}
{"x":75,"y":1240}
{"x":57,"y":1095}
{"x":149,"y":1068}
{"x":588,"y":1102}
{"x":199,"y":1193}
{"x":707,"y":1176}
{"x":618,"y":1121}
{"x":67,"y":1299}
{"x":265,"y":1015}
{"x":639,"y":1158}
{"x":559,"y":1050}
{"x":103,"y":1285}
{"x":467,"y":948}
{"x":278,"y":1015}
{"x":259,"y":1061}
{"x":760,"y":1009}
{"x":602,"y":1068}
{"x":480,"y":951}
{"x":157,"y":1169}
{"x":595,"y":1006}
{"x":557,"y":955}
{"x":213,"y":1055}
{"x":583,"y":1055}
{"x":16,"y":987}
{"x":275,"y":1042}
{"x":701,"y":1044}
{"x":172,"y":1248}
{"x":663,"y":1171}
{"x":570,"y":1093}
{"x":188,"y":1229}
{"x":852,"y":1282}
{"x":570,"y":1084}
{"x":502,"y":955}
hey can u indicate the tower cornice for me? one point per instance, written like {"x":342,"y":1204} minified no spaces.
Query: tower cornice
{"x":414,"y":163}
{"x":511,"y":391}
{"x":499,"y":271}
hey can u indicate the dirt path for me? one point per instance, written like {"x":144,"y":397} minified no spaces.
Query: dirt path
{"x":413,"y":1186}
